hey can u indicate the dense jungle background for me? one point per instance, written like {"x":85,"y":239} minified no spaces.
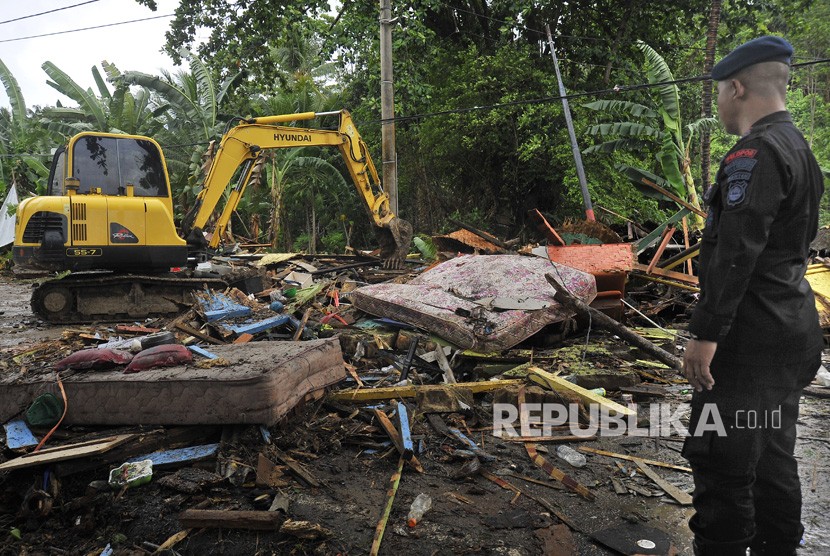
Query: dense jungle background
{"x":481,"y":133}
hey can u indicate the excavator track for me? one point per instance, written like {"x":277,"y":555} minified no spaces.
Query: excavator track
{"x":105,"y":297}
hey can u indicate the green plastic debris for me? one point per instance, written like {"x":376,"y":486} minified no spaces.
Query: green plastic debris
{"x":45,"y":411}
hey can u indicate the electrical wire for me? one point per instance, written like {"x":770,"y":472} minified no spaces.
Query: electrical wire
{"x":86,"y":28}
{"x":47,"y":12}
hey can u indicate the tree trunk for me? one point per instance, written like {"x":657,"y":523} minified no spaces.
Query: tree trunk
{"x":276,"y":201}
{"x":706,"y":100}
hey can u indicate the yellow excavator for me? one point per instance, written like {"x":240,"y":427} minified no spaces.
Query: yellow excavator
{"x":107,"y":217}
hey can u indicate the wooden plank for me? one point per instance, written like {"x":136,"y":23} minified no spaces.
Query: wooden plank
{"x":682,"y":498}
{"x":131,"y":329}
{"x":392,"y":432}
{"x":231,"y":519}
{"x":410,"y":391}
{"x":633,"y":458}
{"x":299,"y":331}
{"x":70,"y":451}
{"x":187,"y":329}
{"x":618,"y":485}
{"x":260,"y":326}
{"x":569,"y":482}
{"x":296,"y":468}
{"x":203,"y":352}
{"x":679,"y":276}
{"x":244,"y":338}
{"x":555,"y":439}
{"x":559,"y":384}
{"x":406,"y":435}
{"x":148,"y":442}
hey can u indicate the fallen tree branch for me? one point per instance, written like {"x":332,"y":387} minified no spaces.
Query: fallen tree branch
{"x":602,"y":320}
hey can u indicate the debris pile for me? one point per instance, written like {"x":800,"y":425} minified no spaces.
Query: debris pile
{"x":325,"y":405}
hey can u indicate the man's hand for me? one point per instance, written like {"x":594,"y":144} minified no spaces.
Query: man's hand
{"x":698,"y":356}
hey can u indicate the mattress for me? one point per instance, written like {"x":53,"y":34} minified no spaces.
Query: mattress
{"x":261,"y":384}
{"x":458,"y":300}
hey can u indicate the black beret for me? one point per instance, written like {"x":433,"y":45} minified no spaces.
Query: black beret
{"x":762,"y":49}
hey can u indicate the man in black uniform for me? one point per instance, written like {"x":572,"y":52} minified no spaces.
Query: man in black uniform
{"x":756,"y":341}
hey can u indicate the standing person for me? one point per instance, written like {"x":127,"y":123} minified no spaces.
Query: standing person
{"x":756,"y":340}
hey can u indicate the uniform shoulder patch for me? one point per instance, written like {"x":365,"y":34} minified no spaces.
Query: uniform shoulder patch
{"x":738,"y":170}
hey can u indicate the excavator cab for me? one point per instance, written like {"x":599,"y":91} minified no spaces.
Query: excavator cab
{"x":108,"y":206}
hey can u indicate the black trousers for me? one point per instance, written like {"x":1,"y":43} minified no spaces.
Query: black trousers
{"x":742,"y":437}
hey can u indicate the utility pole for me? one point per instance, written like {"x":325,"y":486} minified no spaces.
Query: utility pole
{"x":389,"y":157}
{"x":580,"y":171}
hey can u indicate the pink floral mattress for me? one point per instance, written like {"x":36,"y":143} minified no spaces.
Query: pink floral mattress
{"x":453,"y":300}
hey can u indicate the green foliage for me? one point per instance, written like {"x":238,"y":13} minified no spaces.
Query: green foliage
{"x":334,"y":242}
{"x":426,"y":247}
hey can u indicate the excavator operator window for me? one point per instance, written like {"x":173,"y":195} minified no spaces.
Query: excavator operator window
{"x":110,"y":163}
{"x":57,"y":172}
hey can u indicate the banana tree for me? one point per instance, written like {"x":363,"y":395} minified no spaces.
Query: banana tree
{"x":20,"y":141}
{"x":189,"y":104}
{"x":118,"y":111}
{"x":657,"y":127}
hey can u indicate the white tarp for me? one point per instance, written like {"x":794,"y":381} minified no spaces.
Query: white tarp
{"x":6,"y":221}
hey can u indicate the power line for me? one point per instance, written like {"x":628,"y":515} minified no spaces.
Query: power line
{"x":48,"y":12}
{"x":86,"y":28}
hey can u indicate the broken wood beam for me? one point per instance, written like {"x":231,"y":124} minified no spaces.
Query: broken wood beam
{"x":559,"y":384}
{"x":187,"y":329}
{"x":295,"y":467}
{"x":393,"y":434}
{"x":564,"y":297}
{"x":256,"y":520}
{"x":411,"y":390}
{"x":569,"y":482}
{"x":553,"y":439}
{"x":683,"y":498}
{"x":406,"y":435}
{"x":299,"y":331}
{"x":635,"y":459}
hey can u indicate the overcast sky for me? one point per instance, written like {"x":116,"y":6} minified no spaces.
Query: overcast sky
{"x":131,"y":46}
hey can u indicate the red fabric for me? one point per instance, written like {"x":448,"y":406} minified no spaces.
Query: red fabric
{"x":94,"y":359}
{"x":167,"y":355}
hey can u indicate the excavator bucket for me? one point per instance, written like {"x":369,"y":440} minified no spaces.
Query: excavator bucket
{"x":395,"y":237}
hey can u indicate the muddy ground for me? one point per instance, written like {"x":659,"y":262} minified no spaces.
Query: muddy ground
{"x":470,"y":515}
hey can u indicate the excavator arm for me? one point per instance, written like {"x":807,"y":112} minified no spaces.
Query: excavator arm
{"x":243,"y":144}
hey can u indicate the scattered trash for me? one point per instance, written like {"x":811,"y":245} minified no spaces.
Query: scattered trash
{"x":131,"y":474}
{"x":574,"y":458}
{"x":419,"y":506}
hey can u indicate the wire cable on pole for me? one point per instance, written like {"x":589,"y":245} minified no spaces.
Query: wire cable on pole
{"x":48,"y":12}
{"x":85,"y":28}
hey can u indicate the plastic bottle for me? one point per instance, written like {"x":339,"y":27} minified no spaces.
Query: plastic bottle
{"x":571,"y":456}
{"x":419,"y":507}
